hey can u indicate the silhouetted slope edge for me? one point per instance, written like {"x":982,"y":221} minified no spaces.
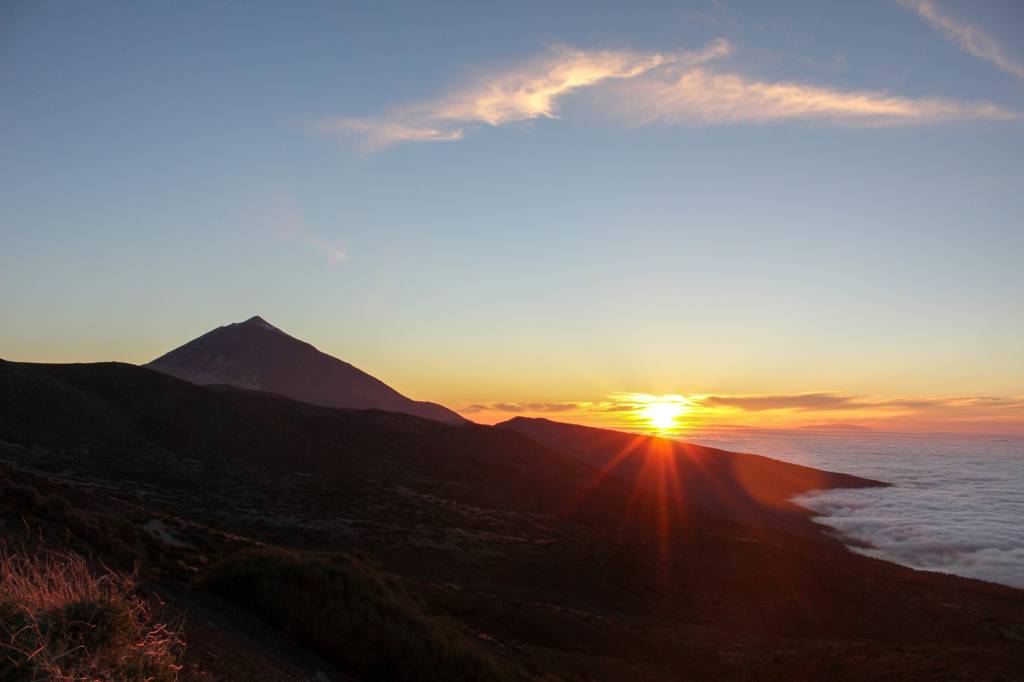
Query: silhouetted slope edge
{"x":732,"y":483}
{"x":258,"y":356}
{"x":126,"y":412}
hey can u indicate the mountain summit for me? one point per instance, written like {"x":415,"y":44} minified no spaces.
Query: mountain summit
{"x":257,"y":355}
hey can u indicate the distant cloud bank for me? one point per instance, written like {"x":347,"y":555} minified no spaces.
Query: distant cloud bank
{"x":832,"y":401}
{"x":955,"y":505}
{"x":625,"y":411}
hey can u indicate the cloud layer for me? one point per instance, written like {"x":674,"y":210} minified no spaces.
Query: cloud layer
{"x":824,"y":401}
{"x":967,"y":37}
{"x":955,"y":504}
{"x":641,"y":88}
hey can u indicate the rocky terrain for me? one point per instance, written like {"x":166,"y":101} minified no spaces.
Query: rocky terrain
{"x":548,"y":561}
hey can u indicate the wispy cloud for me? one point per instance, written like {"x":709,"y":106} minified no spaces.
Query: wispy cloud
{"x":673,"y":88}
{"x":376,"y":134}
{"x":757,"y":403}
{"x":533,"y":91}
{"x":287,"y":224}
{"x":824,"y":401}
{"x":700,"y":96}
{"x":527,"y":91}
{"x":334,"y":251}
{"x":520,"y":408}
{"x":967,"y":37}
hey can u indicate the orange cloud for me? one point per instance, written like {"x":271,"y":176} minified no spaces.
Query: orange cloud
{"x":533,"y":91}
{"x":528,"y":91}
{"x":646,"y":88}
{"x":519,"y":408}
{"x":376,"y":134}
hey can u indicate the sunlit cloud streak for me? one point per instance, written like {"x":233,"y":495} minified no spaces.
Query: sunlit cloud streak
{"x":533,"y":91}
{"x":757,"y":403}
{"x":376,"y":134}
{"x":832,"y":401}
{"x":520,"y":408}
{"x":703,"y":97}
{"x":642,"y":88}
{"x":967,"y":37}
{"x":528,"y":91}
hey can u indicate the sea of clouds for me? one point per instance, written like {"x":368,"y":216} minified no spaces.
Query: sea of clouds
{"x":956,"y":504}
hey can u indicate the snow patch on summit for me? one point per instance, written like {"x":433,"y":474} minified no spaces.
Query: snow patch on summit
{"x":260,"y":322}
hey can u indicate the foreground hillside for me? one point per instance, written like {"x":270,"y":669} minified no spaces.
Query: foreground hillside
{"x":539,"y":563}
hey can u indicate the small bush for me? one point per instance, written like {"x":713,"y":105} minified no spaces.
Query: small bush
{"x":58,"y":621}
{"x":20,"y":498}
{"x":345,"y":609}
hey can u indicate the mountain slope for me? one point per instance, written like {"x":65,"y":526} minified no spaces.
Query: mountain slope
{"x":258,"y":356}
{"x":752,"y":488}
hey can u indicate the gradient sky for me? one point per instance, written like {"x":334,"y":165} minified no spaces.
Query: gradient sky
{"x":803,"y":213}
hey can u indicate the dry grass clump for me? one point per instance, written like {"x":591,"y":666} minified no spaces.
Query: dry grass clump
{"x":344,"y":608}
{"x":60,"y":621}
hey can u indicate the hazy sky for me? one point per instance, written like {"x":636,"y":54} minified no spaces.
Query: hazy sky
{"x":533,"y":207}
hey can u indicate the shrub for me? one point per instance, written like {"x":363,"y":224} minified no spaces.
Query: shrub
{"x":59,"y":621}
{"x":345,"y":609}
{"x":102,"y":531}
{"x":20,"y":498}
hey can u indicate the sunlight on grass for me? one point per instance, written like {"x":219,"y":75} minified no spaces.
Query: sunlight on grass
{"x":60,"y":620}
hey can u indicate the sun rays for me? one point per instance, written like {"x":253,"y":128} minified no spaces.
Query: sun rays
{"x":662,"y":415}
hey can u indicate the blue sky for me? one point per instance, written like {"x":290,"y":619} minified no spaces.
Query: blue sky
{"x":719,"y":197}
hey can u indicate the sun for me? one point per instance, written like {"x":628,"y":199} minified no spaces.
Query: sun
{"x":662,"y":415}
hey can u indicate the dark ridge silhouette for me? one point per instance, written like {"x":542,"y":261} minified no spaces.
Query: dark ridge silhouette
{"x":748,"y":487}
{"x":525,"y":462}
{"x":257,"y":355}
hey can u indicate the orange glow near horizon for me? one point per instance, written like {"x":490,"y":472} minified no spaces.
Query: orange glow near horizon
{"x":675,"y":414}
{"x":661,"y":414}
